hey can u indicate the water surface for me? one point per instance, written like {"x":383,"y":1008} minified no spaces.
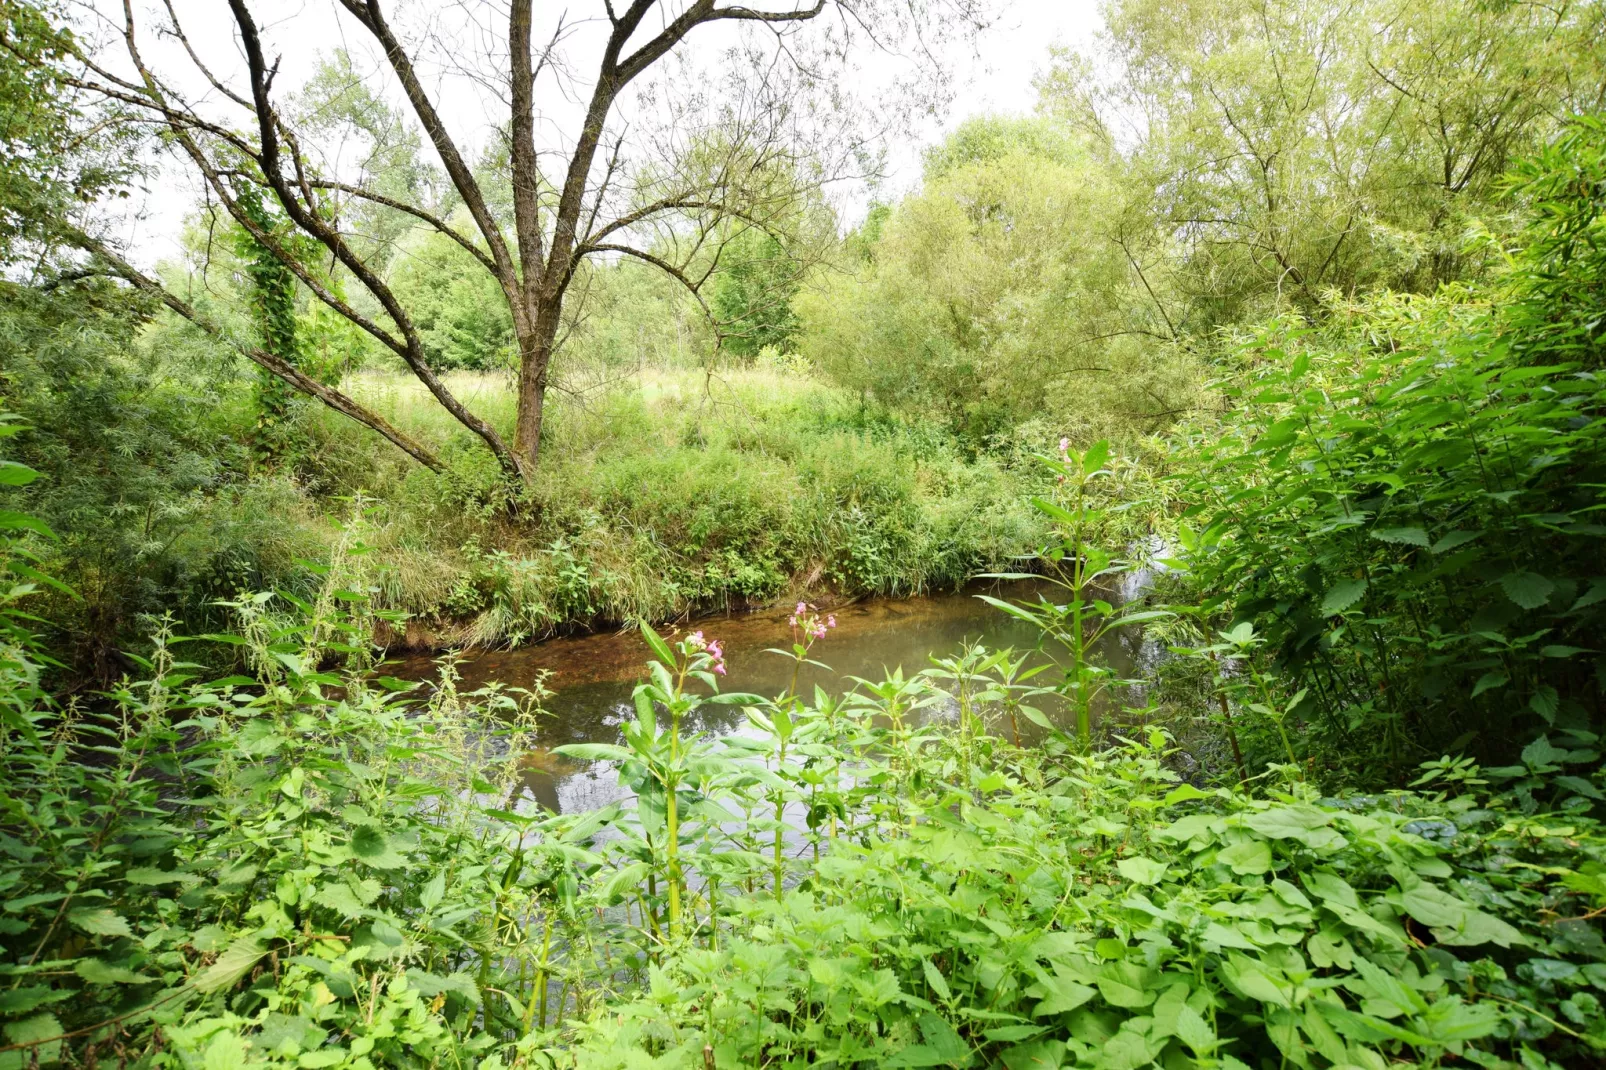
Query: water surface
{"x":591,"y":677}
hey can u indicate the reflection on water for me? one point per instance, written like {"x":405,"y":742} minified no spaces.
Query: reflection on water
{"x":592,"y":676}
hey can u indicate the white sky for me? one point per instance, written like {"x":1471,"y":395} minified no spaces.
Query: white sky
{"x":993,"y":74}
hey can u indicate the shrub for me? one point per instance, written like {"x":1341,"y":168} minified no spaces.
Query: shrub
{"x":1405,"y":506}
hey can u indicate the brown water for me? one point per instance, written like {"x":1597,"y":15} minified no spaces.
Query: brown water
{"x":591,"y":677}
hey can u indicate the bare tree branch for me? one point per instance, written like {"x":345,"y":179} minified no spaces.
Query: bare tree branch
{"x":331,"y":397}
{"x":309,"y":221}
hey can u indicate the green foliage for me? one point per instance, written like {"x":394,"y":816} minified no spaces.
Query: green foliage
{"x":273,"y":306}
{"x":752,"y":294}
{"x":458,"y":308}
{"x":145,"y":453}
{"x":197,"y":867}
{"x":54,"y":157}
{"x":302,"y":866}
{"x":1081,"y":568}
{"x":970,"y":904}
{"x":1287,"y":149}
{"x":1559,"y":272}
{"x":671,"y":496}
{"x":1406,"y":505}
{"x":992,"y":296}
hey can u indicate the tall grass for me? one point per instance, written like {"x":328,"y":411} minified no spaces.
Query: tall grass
{"x":670,"y":492}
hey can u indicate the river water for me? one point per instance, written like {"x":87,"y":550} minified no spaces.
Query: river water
{"x":591,"y":677}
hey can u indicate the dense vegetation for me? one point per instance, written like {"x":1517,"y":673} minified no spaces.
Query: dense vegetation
{"x":1315,"y":351}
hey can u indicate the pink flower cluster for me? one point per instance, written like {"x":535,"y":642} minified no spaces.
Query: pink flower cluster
{"x":712,"y":647}
{"x":807,"y":620}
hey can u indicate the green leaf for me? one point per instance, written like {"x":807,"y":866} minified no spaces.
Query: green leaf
{"x":374,"y":848}
{"x":97,"y":972}
{"x":429,"y":984}
{"x":13,"y":474}
{"x":235,"y":962}
{"x":1450,"y":540}
{"x":1489,"y":681}
{"x":934,"y":978}
{"x":1306,"y":824}
{"x":1451,"y":1021}
{"x":1251,"y":856}
{"x":660,"y":649}
{"x":35,"y":1030}
{"x":1542,"y":755}
{"x":1368,"y":1029}
{"x":1125,"y":984}
{"x":595,"y":752}
{"x":1528,"y":589}
{"x":15,"y":1001}
{"x":1341,"y":596}
{"x":1401,"y":536}
{"x":99,"y":921}
{"x":340,"y":899}
{"x":1432,"y":905}
{"x":1062,"y":994}
{"x":1580,"y":786}
{"x":1184,"y":793}
{"x":1095,"y":456}
{"x":430,"y":896}
{"x":1252,"y":979}
{"x":14,"y":521}
{"x":1141,"y":870}
{"x":1476,"y":928}
{"x":1195,"y":1032}
{"x":1327,"y":885}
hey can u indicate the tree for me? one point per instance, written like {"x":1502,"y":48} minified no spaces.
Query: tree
{"x":46,"y":167}
{"x":695,"y":162}
{"x":752,"y":294}
{"x":1278,"y":149}
{"x":993,"y":295}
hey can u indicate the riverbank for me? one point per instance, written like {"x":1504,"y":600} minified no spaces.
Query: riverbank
{"x":661,"y":496}
{"x":679,"y":494}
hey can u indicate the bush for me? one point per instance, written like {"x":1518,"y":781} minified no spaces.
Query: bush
{"x":676,"y":496}
{"x":198,"y":870}
{"x":148,"y":472}
{"x":1405,"y":505}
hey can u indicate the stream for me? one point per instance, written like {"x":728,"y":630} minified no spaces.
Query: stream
{"x":591,"y":677}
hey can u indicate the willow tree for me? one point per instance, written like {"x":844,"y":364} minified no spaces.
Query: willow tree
{"x":694,"y":163}
{"x":1277,"y":150}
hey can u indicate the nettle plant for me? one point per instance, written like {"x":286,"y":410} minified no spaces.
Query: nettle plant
{"x":1413,"y":529}
{"x":296,"y":865}
{"x":1090,"y":910}
{"x":1406,"y":503}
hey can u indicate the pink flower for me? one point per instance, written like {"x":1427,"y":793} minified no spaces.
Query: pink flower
{"x":719,"y":667}
{"x":830,"y":622}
